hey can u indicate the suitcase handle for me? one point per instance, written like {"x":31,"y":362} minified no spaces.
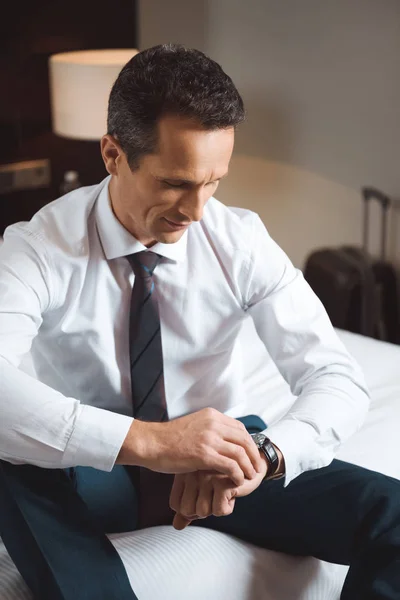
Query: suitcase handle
{"x":371,"y":193}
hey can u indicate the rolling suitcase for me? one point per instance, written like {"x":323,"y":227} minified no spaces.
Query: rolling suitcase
{"x":360,"y":294}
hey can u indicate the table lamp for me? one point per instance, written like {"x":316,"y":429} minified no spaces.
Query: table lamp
{"x":80,"y":84}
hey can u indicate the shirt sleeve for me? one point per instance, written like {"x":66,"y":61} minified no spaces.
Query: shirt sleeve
{"x":332,"y":397}
{"x":39,"y":425}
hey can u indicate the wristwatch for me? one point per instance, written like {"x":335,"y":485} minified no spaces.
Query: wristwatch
{"x":265,"y":446}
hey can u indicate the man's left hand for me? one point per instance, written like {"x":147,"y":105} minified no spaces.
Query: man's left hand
{"x":200,"y":494}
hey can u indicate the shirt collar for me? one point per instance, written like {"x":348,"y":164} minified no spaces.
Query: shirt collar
{"x":117,"y":241}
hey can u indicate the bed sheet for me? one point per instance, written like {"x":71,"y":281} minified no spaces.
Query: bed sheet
{"x":197,"y":563}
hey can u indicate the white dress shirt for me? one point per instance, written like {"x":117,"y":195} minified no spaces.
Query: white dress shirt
{"x":65,"y":289}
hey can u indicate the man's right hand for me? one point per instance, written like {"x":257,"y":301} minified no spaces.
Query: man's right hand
{"x":205,"y":440}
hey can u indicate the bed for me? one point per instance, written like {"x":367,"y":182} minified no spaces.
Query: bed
{"x":198,"y":563}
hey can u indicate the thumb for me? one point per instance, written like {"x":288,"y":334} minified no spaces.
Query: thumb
{"x":180,"y":522}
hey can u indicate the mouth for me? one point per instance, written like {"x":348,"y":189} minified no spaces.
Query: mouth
{"x":176,"y":226}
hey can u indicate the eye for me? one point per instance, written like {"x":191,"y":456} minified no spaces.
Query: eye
{"x":173,"y":185}
{"x":182,"y":185}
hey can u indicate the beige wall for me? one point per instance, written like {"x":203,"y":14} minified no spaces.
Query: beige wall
{"x":321,"y":85}
{"x":177,"y":21}
{"x":285,"y":198}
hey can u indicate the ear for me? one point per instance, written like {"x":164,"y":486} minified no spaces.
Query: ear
{"x":111,"y":153}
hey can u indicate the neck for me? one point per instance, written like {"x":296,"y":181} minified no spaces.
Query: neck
{"x":122,"y":217}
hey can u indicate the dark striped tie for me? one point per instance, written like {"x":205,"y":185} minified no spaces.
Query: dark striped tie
{"x":147,"y":372}
{"x":147,"y":381}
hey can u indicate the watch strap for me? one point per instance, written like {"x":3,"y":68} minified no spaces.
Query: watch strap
{"x":270,"y":453}
{"x":265,"y":445}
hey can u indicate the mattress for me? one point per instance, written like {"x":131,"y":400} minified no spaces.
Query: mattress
{"x":197,"y":563}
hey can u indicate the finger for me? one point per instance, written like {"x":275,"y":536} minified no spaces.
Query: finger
{"x":205,"y":499}
{"x":176,"y":492}
{"x":223,"y":501}
{"x":187,"y":506}
{"x":244,"y":440}
{"x":226,"y":466}
{"x":238,"y":454}
{"x":180,"y":522}
{"x":235,"y":432}
{"x":231,"y":504}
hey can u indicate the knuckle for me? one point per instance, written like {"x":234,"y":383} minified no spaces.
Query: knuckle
{"x":221,"y":511}
{"x":211,"y":415}
{"x":249,"y":439}
{"x":210,"y":412}
{"x":231,"y":464}
{"x":205,"y":451}
{"x":234,"y":469}
{"x":240,"y":452}
{"x":186,"y":510}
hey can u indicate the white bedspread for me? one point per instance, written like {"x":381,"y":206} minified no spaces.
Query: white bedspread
{"x":197,"y":563}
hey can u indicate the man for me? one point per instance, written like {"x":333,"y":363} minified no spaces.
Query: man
{"x":132,"y":294}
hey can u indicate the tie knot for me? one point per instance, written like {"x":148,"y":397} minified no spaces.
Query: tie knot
{"x":143,"y":263}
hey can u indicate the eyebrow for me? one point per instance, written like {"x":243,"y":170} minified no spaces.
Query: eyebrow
{"x":180,"y":180}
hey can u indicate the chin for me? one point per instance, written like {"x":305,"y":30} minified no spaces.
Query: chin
{"x":170,"y":238}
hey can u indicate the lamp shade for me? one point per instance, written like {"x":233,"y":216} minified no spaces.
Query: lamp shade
{"x":80,"y":84}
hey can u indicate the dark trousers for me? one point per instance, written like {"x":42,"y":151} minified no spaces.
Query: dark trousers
{"x":52,"y":523}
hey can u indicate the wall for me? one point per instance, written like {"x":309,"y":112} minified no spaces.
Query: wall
{"x":28,"y":37}
{"x":321,"y":87}
{"x":176,"y":21}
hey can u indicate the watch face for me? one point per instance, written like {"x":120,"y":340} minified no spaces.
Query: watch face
{"x":259,"y":438}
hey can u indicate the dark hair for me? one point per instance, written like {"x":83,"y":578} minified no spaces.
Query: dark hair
{"x":169,"y":79}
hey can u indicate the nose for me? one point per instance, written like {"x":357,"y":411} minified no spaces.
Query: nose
{"x":194,"y":203}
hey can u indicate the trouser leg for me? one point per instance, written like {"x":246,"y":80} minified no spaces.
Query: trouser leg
{"x":341,"y":513}
{"x":55,"y":542}
{"x":53,"y":521}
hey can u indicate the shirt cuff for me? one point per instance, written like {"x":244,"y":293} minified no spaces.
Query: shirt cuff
{"x":96,"y":439}
{"x":297,"y":442}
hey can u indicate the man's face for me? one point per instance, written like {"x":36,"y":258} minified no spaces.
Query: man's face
{"x":168,"y":191}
